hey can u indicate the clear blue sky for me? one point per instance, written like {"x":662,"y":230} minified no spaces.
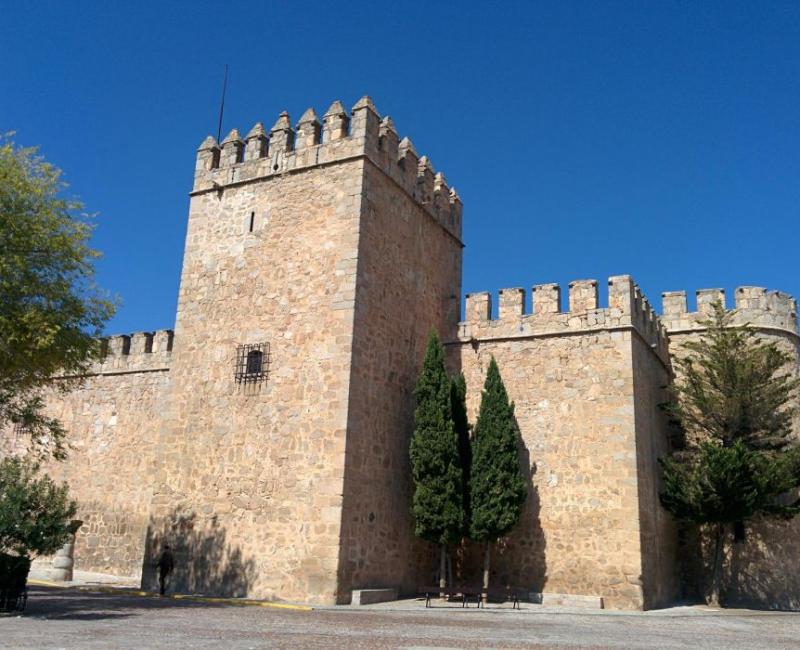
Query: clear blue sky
{"x":660,"y":139}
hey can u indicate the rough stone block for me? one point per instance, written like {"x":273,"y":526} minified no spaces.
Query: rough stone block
{"x":566,"y":600}
{"x":370,"y":596}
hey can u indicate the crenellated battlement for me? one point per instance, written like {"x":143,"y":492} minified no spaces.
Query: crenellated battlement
{"x":338,"y":137}
{"x":754,"y":305}
{"x":139,"y":351}
{"x":627,"y":307}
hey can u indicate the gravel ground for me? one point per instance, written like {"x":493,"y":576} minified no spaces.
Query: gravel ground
{"x":70,"y":618}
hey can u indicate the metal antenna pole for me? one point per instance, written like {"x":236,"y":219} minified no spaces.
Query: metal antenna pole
{"x":222,"y":103}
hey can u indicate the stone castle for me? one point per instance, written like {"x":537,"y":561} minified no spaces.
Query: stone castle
{"x":267,"y":439}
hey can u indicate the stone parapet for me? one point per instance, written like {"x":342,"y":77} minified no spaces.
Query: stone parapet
{"x":140,"y":351}
{"x":339,"y":137}
{"x":753,"y":305}
{"x":627,"y":307}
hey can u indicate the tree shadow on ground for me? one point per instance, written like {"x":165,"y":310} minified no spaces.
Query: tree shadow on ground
{"x":76,"y":604}
{"x":205,"y":563}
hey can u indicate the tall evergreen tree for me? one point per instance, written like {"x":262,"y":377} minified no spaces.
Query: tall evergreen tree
{"x":498,"y":488}
{"x":435,"y":461}
{"x":734,"y":401}
{"x":733,"y":385}
{"x":458,"y":400}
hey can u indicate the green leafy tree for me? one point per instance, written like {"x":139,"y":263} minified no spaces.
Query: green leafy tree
{"x":50,"y":310}
{"x":734,"y":401}
{"x":458,"y":405}
{"x":435,"y":461}
{"x":497,"y":485}
{"x":35,"y":513}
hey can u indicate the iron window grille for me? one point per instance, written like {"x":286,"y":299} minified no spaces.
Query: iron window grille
{"x":252,"y":363}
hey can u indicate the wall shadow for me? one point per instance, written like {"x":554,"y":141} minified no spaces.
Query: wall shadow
{"x":517,"y":560}
{"x":761,"y":572}
{"x":56,"y":603}
{"x":205,"y":563}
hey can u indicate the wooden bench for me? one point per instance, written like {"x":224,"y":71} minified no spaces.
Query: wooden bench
{"x":465,"y":593}
{"x":506,"y":594}
{"x":448,"y":592}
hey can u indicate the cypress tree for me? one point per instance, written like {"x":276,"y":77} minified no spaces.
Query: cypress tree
{"x":498,"y":488}
{"x":458,"y":405}
{"x":435,"y":461}
{"x":733,"y":401}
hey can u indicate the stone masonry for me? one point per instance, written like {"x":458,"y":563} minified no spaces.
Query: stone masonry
{"x":586,"y":383}
{"x":333,"y":249}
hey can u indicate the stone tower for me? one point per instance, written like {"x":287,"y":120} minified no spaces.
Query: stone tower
{"x":317,"y":260}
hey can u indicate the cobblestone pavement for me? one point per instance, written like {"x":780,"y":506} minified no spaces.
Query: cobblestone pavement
{"x":69,"y":618}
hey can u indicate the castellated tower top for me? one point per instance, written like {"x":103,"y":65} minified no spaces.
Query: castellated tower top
{"x":339,"y":137}
{"x":770,"y":310}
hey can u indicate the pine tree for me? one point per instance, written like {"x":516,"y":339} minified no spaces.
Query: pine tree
{"x":435,"y":461}
{"x":458,"y":399}
{"x":498,"y":488}
{"x":733,"y":400}
{"x":734,"y":385}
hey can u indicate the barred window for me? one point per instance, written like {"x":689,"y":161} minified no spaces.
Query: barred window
{"x":252,"y":363}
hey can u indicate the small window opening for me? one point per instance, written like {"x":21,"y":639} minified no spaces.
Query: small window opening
{"x":252,"y":363}
{"x":254,"y":360}
{"x":252,"y":220}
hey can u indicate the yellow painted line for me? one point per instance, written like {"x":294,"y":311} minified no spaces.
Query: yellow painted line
{"x":241,"y":601}
{"x":115,"y":590}
{"x":151,"y":594}
{"x":46,"y":583}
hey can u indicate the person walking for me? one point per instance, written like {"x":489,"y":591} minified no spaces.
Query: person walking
{"x":165,"y":565}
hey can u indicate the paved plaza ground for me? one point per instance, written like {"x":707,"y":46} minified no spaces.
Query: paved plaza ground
{"x":73,"y":618}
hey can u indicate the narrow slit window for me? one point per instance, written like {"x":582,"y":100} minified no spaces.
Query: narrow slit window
{"x":252,"y":221}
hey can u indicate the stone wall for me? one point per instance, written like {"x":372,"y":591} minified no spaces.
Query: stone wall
{"x":658,"y":531}
{"x":111,"y":423}
{"x":408,"y":283}
{"x":764,"y":570}
{"x":585,"y":436}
